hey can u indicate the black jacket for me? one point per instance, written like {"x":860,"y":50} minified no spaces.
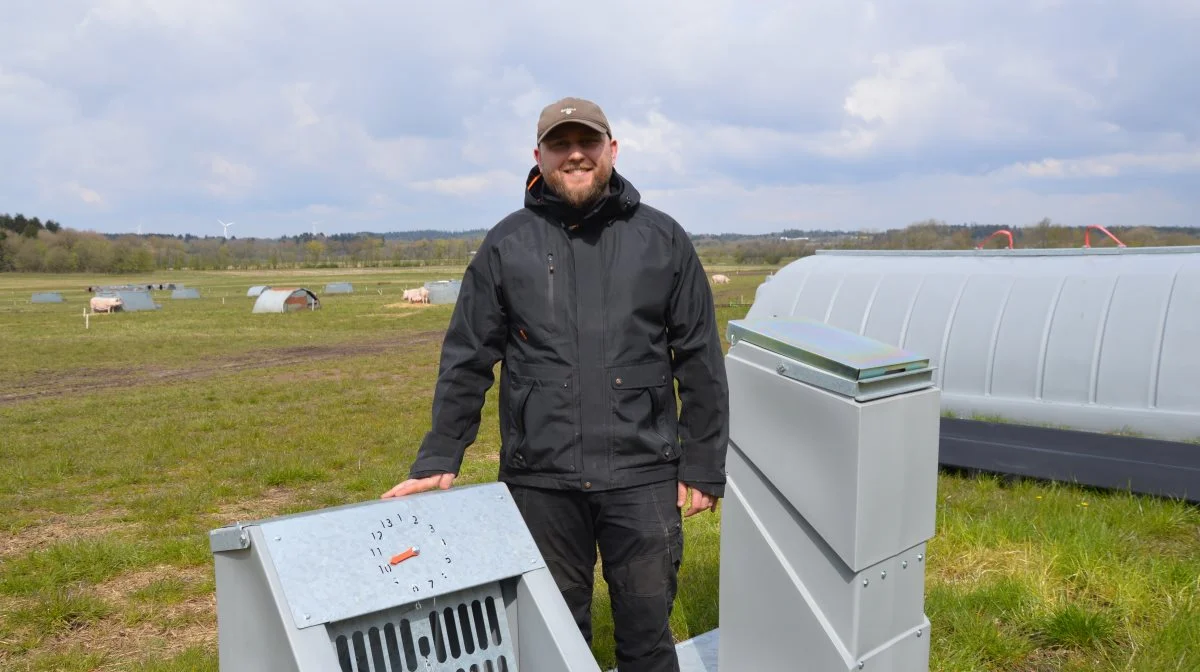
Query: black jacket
{"x":592,"y":314}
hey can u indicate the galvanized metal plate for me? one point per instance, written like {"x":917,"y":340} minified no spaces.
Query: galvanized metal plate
{"x":339,"y":563}
{"x":699,"y":654}
{"x":826,"y":348}
{"x":863,"y":391}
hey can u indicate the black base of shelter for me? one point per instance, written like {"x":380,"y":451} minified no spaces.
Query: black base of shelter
{"x":1144,"y":466}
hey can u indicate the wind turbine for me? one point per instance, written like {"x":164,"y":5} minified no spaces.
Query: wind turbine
{"x":226,"y":226}
{"x":314,"y":228}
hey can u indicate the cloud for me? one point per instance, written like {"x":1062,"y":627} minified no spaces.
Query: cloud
{"x":229,"y":177}
{"x":1111,"y":165}
{"x":469,"y":185}
{"x":89,"y":196}
{"x":726,"y":206}
{"x":742,"y":117}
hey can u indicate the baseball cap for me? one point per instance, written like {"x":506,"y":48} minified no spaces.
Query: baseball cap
{"x":571,"y":110}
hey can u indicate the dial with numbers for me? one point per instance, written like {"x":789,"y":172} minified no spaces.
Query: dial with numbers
{"x":410,"y":553}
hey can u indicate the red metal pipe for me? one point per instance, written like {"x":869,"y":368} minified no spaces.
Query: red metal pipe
{"x":1001,"y":232}
{"x":1087,"y":237}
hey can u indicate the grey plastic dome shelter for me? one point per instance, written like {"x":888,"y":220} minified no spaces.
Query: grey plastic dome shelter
{"x":822,"y":542}
{"x":1096,"y":339}
{"x":256,"y":290}
{"x":443,"y":291}
{"x":185,"y":293}
{"x":132,"y":300}
{"x":339,"y":288}
{"x":285,"y":300}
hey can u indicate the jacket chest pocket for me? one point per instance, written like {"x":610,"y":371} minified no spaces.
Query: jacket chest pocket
{"x":644,"y":421}
{"x":536,"y":293}
{"x":544,"y":424}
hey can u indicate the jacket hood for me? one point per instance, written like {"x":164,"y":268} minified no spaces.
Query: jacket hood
{"x":622,"y":196}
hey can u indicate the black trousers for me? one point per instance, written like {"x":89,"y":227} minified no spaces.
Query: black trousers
{"x":640,"y":536}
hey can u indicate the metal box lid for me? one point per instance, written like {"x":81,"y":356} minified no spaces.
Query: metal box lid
{"x":835,"y":359}
{"x":345,"y":561}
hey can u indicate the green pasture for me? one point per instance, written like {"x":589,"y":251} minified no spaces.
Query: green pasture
{"x":123,"y":444}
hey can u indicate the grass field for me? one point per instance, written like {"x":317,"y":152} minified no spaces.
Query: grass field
{"x":123,"y":444}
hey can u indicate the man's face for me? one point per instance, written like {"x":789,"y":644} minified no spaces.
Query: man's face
{"x":577,"y":163}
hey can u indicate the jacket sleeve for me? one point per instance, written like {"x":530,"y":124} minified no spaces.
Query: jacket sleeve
{"x":474,"y":342}
{"x":699,"y":366}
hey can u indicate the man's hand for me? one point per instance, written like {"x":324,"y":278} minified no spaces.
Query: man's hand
{"x":412,"y":485}
{"x":700,"y":500}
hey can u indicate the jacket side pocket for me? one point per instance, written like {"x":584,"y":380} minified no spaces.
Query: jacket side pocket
{"x":545,"y":427}
{"x":645,"y":425}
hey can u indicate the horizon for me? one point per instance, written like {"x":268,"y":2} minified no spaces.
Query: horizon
{"x":789,"y":235}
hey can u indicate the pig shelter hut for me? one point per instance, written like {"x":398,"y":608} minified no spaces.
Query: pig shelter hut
{"x":132,"y":300}
{"x":285,"y":300}
{"x":443,"y":291}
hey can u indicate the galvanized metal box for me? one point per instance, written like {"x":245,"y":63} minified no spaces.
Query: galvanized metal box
{"x":831,"y":495}
{"x":441,"y":581}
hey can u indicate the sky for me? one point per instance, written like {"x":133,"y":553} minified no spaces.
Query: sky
{"x":752,"y":117}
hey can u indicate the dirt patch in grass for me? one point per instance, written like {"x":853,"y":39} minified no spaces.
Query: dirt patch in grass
{"x":271,"y":502}
{"x":49,"y":384}
{"x":307,"y":376}
{"x":135,"y":625}
{"x":1048,"y":660}
{"x":973,"y":565}
{"x":406,"y":304}
{"x":119,"y":589}
{"x":164,"y":639}
{"x":135,"y":629}
{"x":59,"y":527}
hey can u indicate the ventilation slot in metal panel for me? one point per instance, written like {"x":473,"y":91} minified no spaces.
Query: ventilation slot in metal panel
{"x":468,"y":634}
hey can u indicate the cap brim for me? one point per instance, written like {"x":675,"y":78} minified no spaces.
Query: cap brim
{"x":583,"y":122}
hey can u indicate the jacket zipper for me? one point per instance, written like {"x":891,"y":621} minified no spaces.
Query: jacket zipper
{"x":550,"y":280}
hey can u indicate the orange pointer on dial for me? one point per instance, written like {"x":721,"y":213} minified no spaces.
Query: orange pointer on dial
{"x":397,"y":559}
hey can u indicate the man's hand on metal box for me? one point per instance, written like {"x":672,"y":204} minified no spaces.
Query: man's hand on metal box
{"x":414,"y":485}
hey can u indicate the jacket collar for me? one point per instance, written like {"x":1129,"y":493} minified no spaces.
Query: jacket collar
{"x":622,"y":197}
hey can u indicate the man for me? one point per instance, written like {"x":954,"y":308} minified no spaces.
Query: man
{"x":595,"y":303}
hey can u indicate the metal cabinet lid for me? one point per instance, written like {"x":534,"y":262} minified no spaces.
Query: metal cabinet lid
{"x":833,"y":358}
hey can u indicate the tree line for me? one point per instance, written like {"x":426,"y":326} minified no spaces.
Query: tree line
{"x":29,"y":227}
{"x":931,"y":235}
{"x":67,"y":250}
{"x":28,"y":244}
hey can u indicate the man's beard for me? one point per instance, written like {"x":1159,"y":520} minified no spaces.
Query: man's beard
{"x":584,"y":197}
